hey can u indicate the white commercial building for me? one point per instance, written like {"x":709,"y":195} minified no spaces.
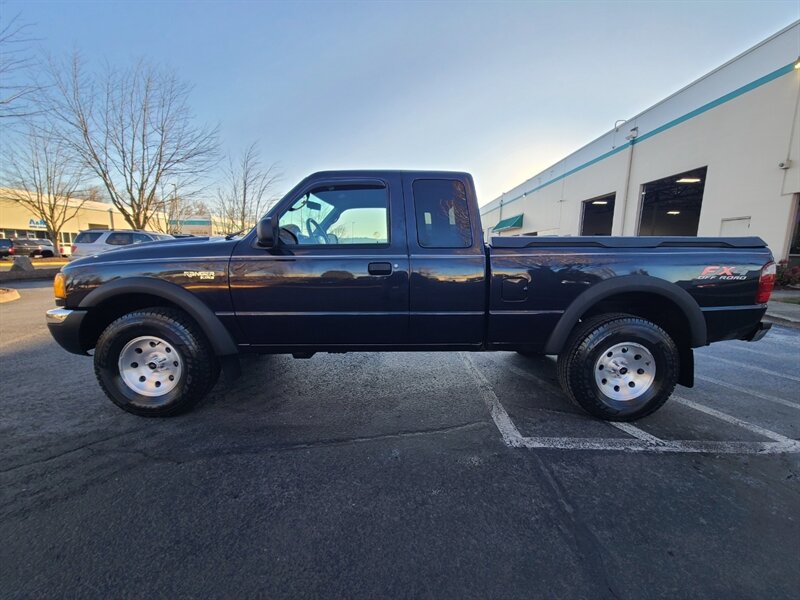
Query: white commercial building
{"x":719,"y":157}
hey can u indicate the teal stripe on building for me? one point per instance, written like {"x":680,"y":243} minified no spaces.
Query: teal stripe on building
{"x":785,"y":70}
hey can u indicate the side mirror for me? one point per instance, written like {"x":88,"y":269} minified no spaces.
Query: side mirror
{"x":267,"y":232}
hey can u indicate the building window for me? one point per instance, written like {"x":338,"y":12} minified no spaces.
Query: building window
{"x":671,"y":206}
{"x":598,"y":215}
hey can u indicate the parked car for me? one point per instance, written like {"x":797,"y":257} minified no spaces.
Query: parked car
{"x":395,"y":261}
{"x":32,"y":247}
{"x":97,"y":241}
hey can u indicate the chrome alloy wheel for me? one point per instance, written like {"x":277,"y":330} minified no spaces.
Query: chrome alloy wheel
{"x":150,"y":366}
{"x":625,"y":371}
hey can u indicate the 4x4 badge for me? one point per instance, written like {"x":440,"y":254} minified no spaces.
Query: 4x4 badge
{"x":199,"y":274}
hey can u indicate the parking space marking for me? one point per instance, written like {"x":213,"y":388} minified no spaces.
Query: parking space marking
{"x":737,"y":388}
{"x":514,"y":439}
{"x":626,"y":427}
{"x":634,"y":431}
{"x":505,"y":425}
{"x":731,"y":419}
{"x":755,"y":368}
{"x":752,"y":350}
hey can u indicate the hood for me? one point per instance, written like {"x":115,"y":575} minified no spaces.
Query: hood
{"x":177,"y":249}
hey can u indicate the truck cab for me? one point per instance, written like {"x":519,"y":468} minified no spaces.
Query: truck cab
{"x":364,"y":260}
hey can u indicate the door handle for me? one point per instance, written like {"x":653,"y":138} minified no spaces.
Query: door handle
{"x":380,"y":268}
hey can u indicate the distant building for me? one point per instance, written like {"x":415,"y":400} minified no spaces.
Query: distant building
{"x":719,"y":157}
{"x":200,"y":225}
{"x":16,"y":220}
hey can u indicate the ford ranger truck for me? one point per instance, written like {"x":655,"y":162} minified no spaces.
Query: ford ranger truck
{"x":396,"y":261}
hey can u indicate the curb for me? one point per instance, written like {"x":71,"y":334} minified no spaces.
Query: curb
{"x":28,"y":275}
{"x":8,"y":295}
{"x":781,"y":321}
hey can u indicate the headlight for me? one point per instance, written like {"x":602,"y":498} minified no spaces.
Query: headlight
{"x":60,"y":286}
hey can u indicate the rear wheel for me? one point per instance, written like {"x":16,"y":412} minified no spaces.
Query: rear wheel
{"x":155,"y":362}
{"x":619,"y":367}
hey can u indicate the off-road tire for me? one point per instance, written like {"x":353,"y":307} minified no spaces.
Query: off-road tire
{"x":585,"y":348}
{"x":199,"y":368}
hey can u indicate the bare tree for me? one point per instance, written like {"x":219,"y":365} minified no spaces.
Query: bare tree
{"x":246,"y":192}
{"x":173,"y":209}
{"x":46,"y":178}
{"x":93,"y":193}
{"x":15,"y":58}
{"x":134,"y":130}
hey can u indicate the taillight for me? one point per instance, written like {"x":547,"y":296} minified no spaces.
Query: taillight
{"x":74,"y":247}
{"x":11,"y":250}
{"x":765,"y":283}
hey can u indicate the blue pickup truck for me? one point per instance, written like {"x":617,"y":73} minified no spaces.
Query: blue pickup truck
{"x":397,"y":261}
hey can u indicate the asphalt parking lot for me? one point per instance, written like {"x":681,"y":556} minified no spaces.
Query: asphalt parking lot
{"x":401,"y":475}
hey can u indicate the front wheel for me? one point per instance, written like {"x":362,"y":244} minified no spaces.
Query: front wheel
{"x":619,"y":367}
{"x":154,"y":362}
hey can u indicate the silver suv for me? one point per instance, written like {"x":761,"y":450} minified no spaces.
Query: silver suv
{"x":97,"y":241}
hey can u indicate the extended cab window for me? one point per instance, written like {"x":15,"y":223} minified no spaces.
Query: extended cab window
{"x":442,"y":213}
{"x":338,"y":214}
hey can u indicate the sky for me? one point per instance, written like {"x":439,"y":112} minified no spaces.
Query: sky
{"x":499,"y":89}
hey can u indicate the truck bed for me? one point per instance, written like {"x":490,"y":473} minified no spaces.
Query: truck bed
{"x":532,"y":241}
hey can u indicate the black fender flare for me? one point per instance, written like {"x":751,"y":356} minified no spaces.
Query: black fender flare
{"x":218,"y":336}
{"x":626,"y":284}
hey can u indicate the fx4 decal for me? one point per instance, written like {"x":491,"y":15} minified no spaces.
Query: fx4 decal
{"x":719,"y":273}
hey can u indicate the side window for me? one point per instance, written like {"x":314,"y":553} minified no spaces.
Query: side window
{"x":139,"y":238}
{"x":87,"y":237}
{"x":442,"y":213}
{"x":338,"y":215}
{"x":119,"y":239}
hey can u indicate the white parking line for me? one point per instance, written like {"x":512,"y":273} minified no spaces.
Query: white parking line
{"x":636,"y":432}
{"x":752,"y":350}
{"x":626,"y":427}
{"x":642,"y":442}
{"x":682,"y":446}
{"x":737,"y":388}
{"x":505,"y":425}
{"x":731,"y":419}
{"x":755,"y":368}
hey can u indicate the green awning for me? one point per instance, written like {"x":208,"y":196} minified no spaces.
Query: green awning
{"x":514,"y":222}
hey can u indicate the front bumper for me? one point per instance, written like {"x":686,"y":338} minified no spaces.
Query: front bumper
{"x":758,"y":332}
{"x":65,"y":327}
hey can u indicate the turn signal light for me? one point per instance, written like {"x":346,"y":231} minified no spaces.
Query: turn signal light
{"x":765,"y":283}
{"x":60,"y":286}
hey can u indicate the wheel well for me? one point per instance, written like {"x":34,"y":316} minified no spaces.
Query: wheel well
{"x":653,"y":307}
{"x":661,"y":311}
{"x":102,"y":315}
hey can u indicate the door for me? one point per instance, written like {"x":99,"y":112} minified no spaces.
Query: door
{"x":447,"y":261}
{"x":338,"y":276}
